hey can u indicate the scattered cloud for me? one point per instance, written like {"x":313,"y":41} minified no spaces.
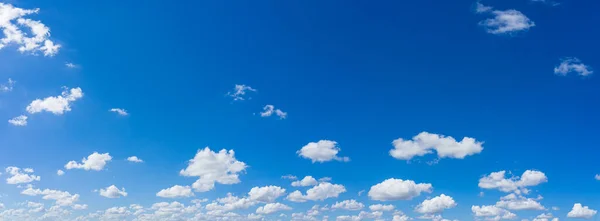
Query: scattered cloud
{"x":269,"y":110}
{"x":289,"y":177}
{"x":318,"y":192}
{"x":492,"y":212}
{"x":57,"y":105}
{"x":176,"y":191}
{"x":266,"y":194}
{"x":113,"y":192}
{"x":119,"y":111}
{"x":445,"y":147}
{"x":517,"y":202}
{"x":306,"y":181}
{"x":71,"y":65}
{"x":580,"y":211}
{"x":8,"y":86}
{"x":61,"y":198}
{"x":60,"y":172}
{"x":211,"y":167}
{"x":398,"y":189}
{"x":94,"y":161}
{"x":18,"y":121}
{"x":348,"y":205}
{"x":20,"y":176}
{"x":497,"y":180}
{"x":381,"y":207}
{"x":436,"y":204}
{"x":321,"y":151}
{"x":575,"y":65}
{"x":481,"y":8}
{"x":239,"y":92}
{"x":272,"y":208}
{"x":11,"y":24}
{"x":504,"y":22}
{"x":134,"y":159}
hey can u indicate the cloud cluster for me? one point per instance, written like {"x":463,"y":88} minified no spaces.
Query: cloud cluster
{"x":57,"y":105}
{"x":269,"y":110}
{"x":398,"y":189}
{"x":12,"y":22}
{"x":94,"y":161}
{"x":19,"y":176}
{"x":318,"y":192}
{"x":321,"y":151}
{"x":211,"y":167}
{"x":445,"y":147}
{"x":498,"y":180}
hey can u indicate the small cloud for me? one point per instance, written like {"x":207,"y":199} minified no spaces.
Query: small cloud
{"x":8,"y":86}
{"x":19,"y":121}
{"x":57,"y":105}
{"x":569,"y":65}
{"x":480,"y":8}
{"x":239,"y":92}
{"x":504,"y":22}
{"x":60,"y":172}
{"x":71,"y":65}
{"x":270,"y":110}
{"x":289,"y":177}
{"x":134,"y":159}
{"x":597,"y":176}
{"x":119,"y":111}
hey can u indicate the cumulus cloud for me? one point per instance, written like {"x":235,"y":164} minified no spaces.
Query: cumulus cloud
{"x":57,"y":105}
{"x":176,"y":191}
{"x":436,"y":204}
{"x":239,"y":92}
{"x":113,"y":192}
{"x":94,"y":161}
{"x":35,"y":40}
{"x":318,"y":192}
{"x":445,"y":147}
{"x":18,"y":121}
{"x":504,"y":22}
{"x":306,"y":181}
{"x":516,"y":202}
{"x":381,"y":207}
{"x":322,"y":151}
{"x":545,"y":217}
{"x":580,"y":211}
{"x":134,"y":159}
{"x":61,"y":198}
{"x":60,"y":172}
{"x":398,"y":189}
{"x":269,"y":110}
{"x":572,"y":65}
{"x":498,"y":180}
{"x":492,"y":212}
{"x":19,"y":176}
{"x":266,"y":194}
{"x":361,"y":216}
{"x":272,"y":208}
{"x":8,"y":86}
{"x":119,"y":111}
{"x":289,"y":177}
{"x":348,"y":205}
{"x":211,"y":167}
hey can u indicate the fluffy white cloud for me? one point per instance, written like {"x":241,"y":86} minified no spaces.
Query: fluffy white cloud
{"x":18,"y":176}
{"x":322,"y":151}
{"x":60,"y":172}
{"x":497,"y":180}
{"x":134,"y":159}
{"x":569,"y":65}
{"x":230,"y":203}
{"x":269,"y":110}
{"x":62,"y":198}
{"x":515,"y":202}
{"x":504,"y":22}
{"x":266,"y":194}
{"x":57,"y":105}
{"x":239,"y":92}
{"x":306,"y":181}
{"x":580,"y":211}
{"x":36,"y":40}
{"x":436,"y":204}
{"x":113,"y":192}
{"x":445,"y":147}
{"x":492,"y":212}
{"x":18,"y":121}
{"x":94,"y":161}
{"x":8,"y":86}
{"x":381,"y":207}
{"x":400,"y":218}
{"x":318,"y":192}
{"x":398,"y":189}
{"x":211,"y":167}
{"x":348,"y":205}
{"x":176,"y":191}
{"x":119,"y":111}
{"x":272,"y":208}
{"x":545,"y":217}
{"x":361,"y":216}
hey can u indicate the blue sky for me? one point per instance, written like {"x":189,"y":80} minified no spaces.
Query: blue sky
{"x":417,"y":105}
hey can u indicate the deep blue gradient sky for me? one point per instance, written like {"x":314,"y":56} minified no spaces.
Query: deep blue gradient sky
{"x":361,"y":73}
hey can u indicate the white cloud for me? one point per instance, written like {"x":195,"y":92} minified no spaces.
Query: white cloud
{"x":597,"y":177}
{"x":492,"y":212}
{"x":272,"y":208}
{"x":11,"y":22}
{"x":62,"y":198}
{"x":19,"y":176}
{"x":497,"y":180}
{"x":269,"y":110}
{"x":436,"y":204}
{"x":230,"y":203}
{"x":19,"y":121}
{"x":60,"y":172}
{"x":480,"y":8}
{"x":119,"y":111}
{"x":381,"y":207}
{"x":289,"y":177}
{"x":70,"y":65}
{"x":94,"y":161}
{"x":322,"y":151}
{"x":398,"y":189}
{"x":134,"y":159}
{"x":266,"y":194}
{"x":239,"y":92}
{"x":211,"y":167}
{"x":361,"y":216}
{"x":569,"y":65}
{"x":348,"y":205}
{"x":8,"y":86}
{"x":318,"y":192}
{"x":505,"y":22}
{"x":425,"y":142}
{"x":57,"y":105}
{"x":545,"y":217}
{"x":400,"y":218}
{"x":580,"y":211}
{"x":113,"y":192}
{"x":306,"y":181}
{"x":176,"y":191}
{"x":515,"y":202}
